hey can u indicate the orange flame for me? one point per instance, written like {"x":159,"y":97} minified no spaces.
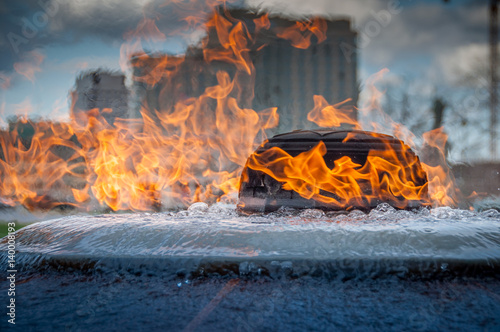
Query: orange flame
{"x":234,"y":40}
{"x":441,"y":180}
{"x":300,"y":34}
{"x":262,"y":23}
{"x":325,"y":115}
{"x":135,"y":164}
{"x":145,"y":32}
{"x":194,"y":149}
{"x":387,"y":176}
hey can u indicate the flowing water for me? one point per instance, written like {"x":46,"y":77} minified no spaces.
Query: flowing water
{"x":209,"y":268}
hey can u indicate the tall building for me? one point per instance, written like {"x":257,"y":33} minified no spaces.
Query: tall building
{"x":286,"y":76}
{"x":102,"y":90}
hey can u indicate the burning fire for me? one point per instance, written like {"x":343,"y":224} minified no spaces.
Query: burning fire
{"x":300,"y":34}
{"x":391,"y":173}
{"x":196,"y":149}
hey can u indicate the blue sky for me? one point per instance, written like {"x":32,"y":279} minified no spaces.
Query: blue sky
{"x":60,"y":66}
{"x":429,"y":43}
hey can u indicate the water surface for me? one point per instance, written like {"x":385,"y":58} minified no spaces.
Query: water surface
{"x":209,"y":268}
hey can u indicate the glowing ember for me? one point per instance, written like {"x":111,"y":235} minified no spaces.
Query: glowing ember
{"x":195,"y":149}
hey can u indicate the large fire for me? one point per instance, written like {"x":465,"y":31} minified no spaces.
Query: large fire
{"x":346,"y":169}
{"x":195,"y":149}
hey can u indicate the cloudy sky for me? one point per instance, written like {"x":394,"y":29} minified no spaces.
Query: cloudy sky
{"x":428,"y":45}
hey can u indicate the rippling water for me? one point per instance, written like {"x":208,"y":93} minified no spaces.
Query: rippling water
{"x":210,"y":260}
{"x":299,"y":239}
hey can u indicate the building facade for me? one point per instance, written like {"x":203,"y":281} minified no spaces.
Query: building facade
{"x":102,"y":90}
{"x":285,"y":76}
{"x":288,"y":77}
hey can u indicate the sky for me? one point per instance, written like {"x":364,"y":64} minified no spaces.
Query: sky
{"x":430,"y":47}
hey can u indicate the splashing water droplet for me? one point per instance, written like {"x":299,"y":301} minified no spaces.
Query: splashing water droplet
{"x":312,"y":213}
{"x":197,"y":208}
{"x":491,"y":213}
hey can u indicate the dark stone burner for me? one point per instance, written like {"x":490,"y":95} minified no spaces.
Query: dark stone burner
{"x":260,"y":192}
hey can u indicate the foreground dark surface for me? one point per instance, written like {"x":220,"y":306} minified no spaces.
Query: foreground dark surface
{"x":209,"y":269}
{"x":65,"y":301}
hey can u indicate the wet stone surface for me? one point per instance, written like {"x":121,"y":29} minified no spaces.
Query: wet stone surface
{"x":75,"y":302}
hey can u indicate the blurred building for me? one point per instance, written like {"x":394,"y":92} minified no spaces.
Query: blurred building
{"x":286,"y":77}
{"x":162,"y":80}
{"x":102,"y":90}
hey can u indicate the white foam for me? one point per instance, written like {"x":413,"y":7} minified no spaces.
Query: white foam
{"x":217,"y":231}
